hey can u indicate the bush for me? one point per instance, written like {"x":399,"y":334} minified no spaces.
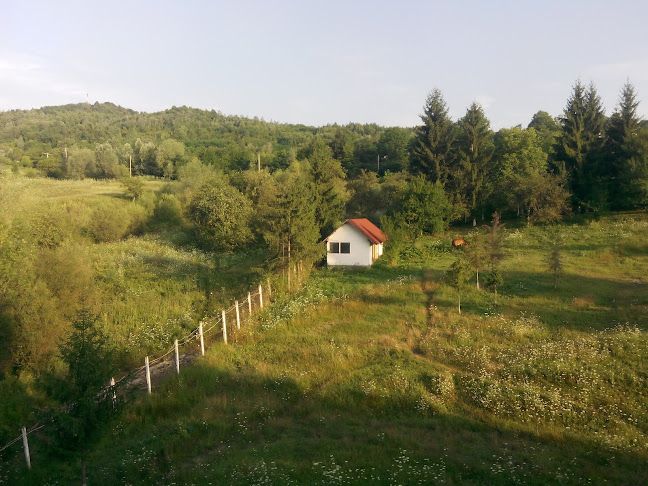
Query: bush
{"x":109,"y":223}
{"x":133,"y":187}
{"x":50,"y":228}
{"x":168,"y":210}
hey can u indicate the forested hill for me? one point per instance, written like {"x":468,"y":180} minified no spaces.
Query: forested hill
{"x":593,"y":161}
{"x":224,"y":141}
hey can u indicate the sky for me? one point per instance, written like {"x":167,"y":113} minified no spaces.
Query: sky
{"x":323,"y":62}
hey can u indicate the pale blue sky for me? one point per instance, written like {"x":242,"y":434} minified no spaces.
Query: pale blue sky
{"x":322,"y":62}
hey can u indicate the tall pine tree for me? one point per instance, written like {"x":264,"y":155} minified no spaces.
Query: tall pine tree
{"x":328,"y":186}
{"x":434,"y":139}
{"x":471,"y":178}
{"x":290,"y":228}
{"x":579,"y":144}
{"x":625,"y":154}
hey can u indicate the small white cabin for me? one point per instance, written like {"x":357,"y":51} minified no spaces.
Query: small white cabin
{"x":358,"y":242}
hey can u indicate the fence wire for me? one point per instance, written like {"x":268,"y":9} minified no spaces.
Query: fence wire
{"x":195,"y":335}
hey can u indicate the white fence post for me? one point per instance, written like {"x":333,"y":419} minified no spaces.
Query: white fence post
{"x":114,"y":393}
{"x":250,"y":303}
{"x":260,"y":297}
{"x":26,"y":447}
{"x":238,"y":316}
{"x":202,"y":339}
{"x":148,"y":374}
{"x":177,"y":356}
{"x":224,"y":328}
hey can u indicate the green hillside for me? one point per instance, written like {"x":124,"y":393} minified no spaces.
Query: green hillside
{"x":373,"y":377}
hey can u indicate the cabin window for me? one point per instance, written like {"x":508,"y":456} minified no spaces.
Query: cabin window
{"x":345,"y":247}
{"x":334,"y":247}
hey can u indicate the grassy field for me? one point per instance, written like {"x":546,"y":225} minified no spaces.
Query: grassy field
{"x":372,"y":377}
{"x":149,"y":285}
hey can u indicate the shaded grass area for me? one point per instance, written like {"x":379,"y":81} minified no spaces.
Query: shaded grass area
{"x":153,"y":291}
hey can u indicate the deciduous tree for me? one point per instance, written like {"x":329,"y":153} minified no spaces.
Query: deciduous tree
{"x":221,"y":216}
{"x":457,"y":277}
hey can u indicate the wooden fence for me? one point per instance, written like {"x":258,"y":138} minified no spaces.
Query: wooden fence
{"x":237,"y":314}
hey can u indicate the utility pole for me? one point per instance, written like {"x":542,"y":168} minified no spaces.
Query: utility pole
{"x":378,"y":158}
{"x":130,"y":165}
{"x":46,"y":154}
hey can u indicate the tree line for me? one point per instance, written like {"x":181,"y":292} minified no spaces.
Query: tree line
{"x":599,"y":161}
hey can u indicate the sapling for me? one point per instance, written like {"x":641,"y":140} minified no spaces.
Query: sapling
{"x":457,"y":276}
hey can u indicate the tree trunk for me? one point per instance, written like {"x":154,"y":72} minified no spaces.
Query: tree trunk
{"x":460,"y":302}
{"x":477,"y":279}
{"x":289,"y":264}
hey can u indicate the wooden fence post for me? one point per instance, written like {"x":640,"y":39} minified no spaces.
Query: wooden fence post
{"x":202,"y":339}
{"x":238,"y":316}
{"x":260,"y":297}
{"x":177,"y":356}
{"x":148,"y":374}
{"x":26,"y":448}
{"x":224,"y":328}
{"x":250,"y":303}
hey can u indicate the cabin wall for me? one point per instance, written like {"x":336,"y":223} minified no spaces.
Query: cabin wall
{"x":361,"y":251}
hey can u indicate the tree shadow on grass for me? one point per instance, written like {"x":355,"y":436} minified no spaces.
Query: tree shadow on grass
{"x":212,"y":425}
{"x":579,"y":303}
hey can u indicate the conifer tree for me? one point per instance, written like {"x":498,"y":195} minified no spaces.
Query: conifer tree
{"x":494,"y":279}
{"x":571,"y":143}
{"x":87,"y":402}
{"x":328,"y":186}
{"x":290,"y":227}
{"x":579,"y":145}
{"x":554,"y":259}
{"x":434,"y":139}
{"x":471,"y":179}
{"x":625,"y":154}
{"x":594,"y":191}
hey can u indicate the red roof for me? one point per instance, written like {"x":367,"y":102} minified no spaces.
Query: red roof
{"x":369,"y":229}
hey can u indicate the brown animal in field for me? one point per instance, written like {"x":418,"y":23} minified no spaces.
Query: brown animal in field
{"x":459,"y":242}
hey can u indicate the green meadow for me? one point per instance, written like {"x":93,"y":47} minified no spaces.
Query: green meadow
{"x":373,"y":377}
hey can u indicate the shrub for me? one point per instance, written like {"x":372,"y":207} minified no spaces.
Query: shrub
{"x":168,"y":210}
{"x":109,"y":223}
{"x":133,"y":187}
{"x":50,"y":229}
